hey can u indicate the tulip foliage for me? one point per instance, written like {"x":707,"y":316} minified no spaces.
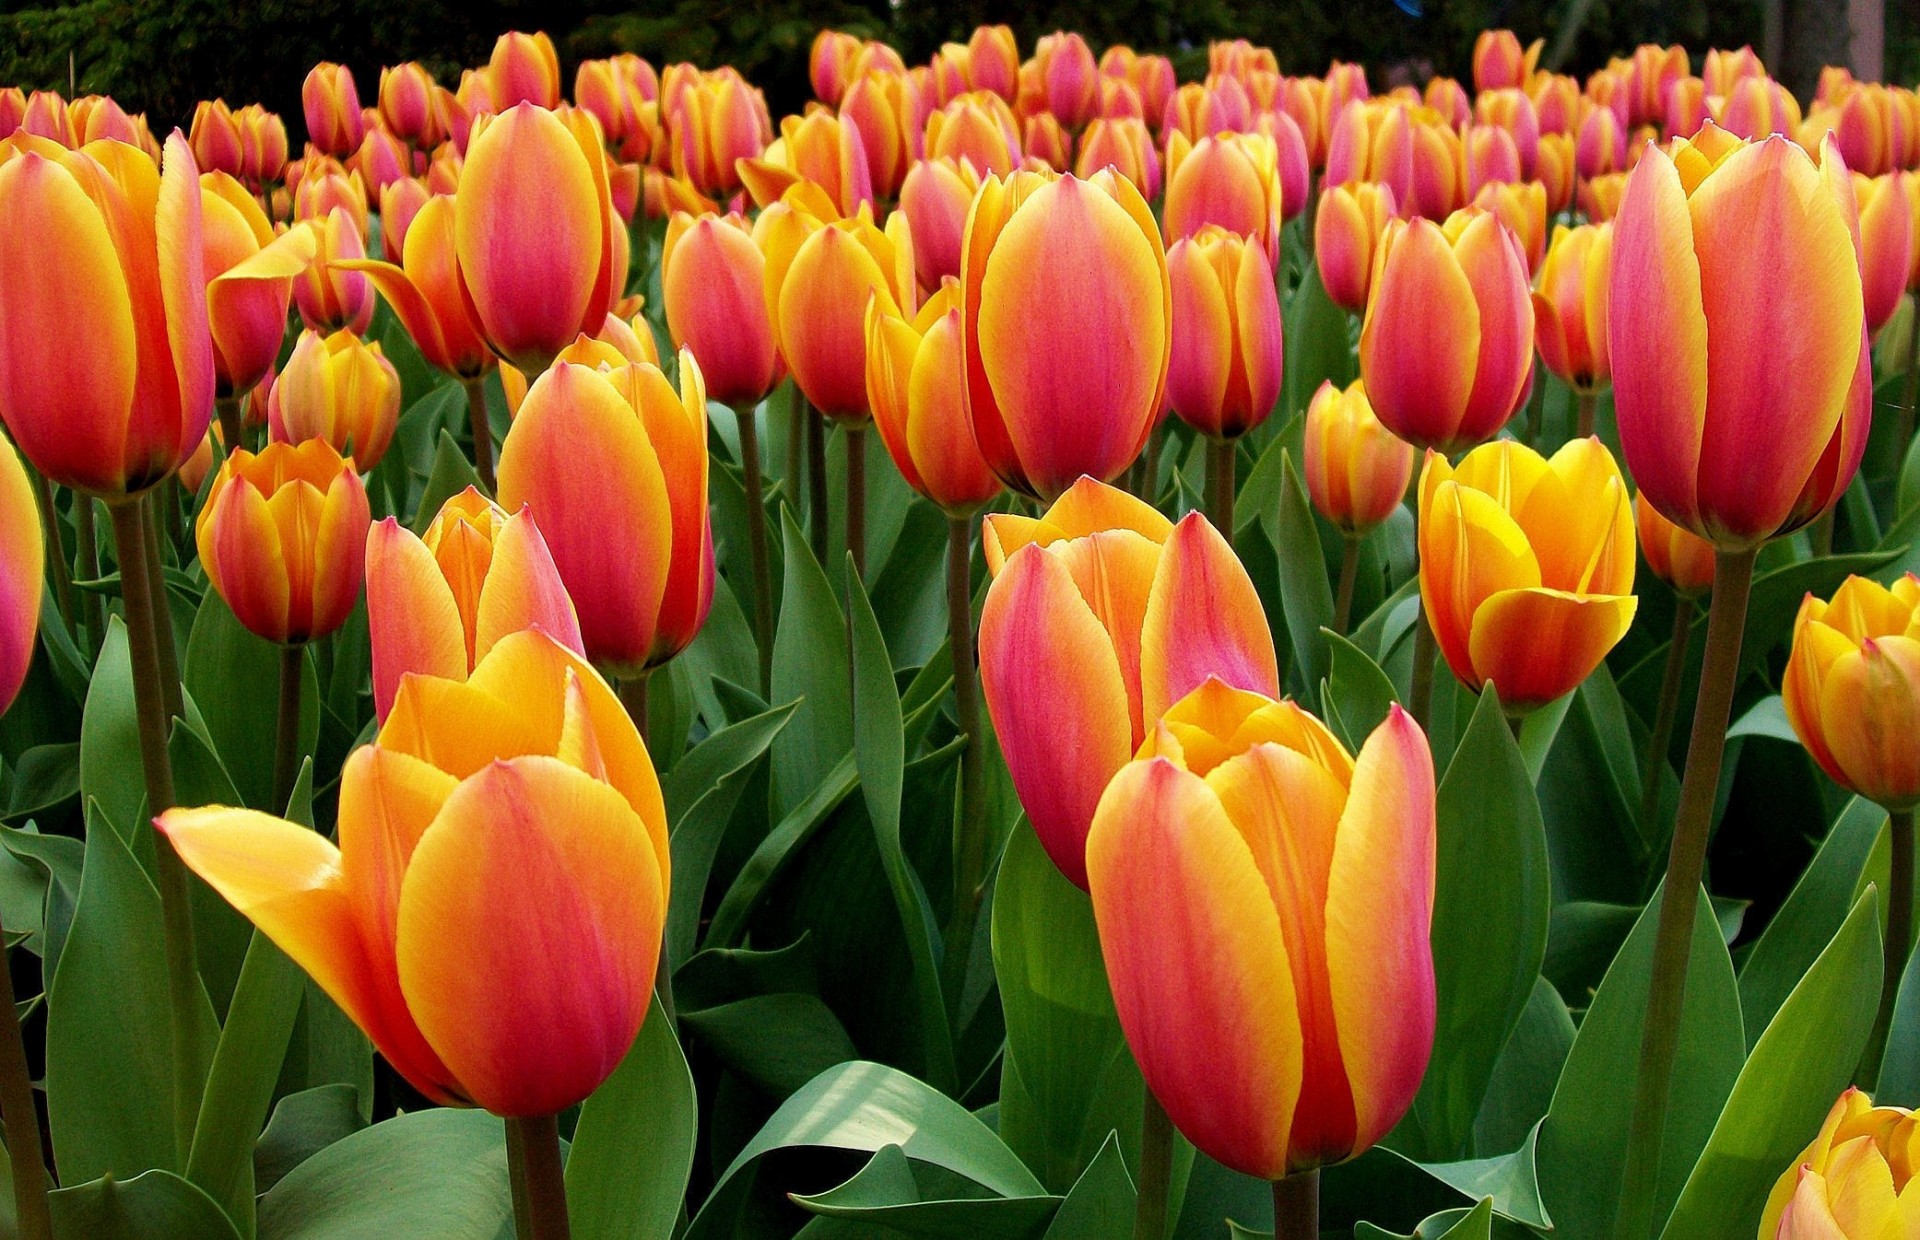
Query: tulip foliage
{"x":1368,"y":682}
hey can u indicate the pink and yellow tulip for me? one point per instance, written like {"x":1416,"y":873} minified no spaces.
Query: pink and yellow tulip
{"x":1223,"y":377}
{"x":1356,"y":470}
{"x":916,"y":382}
{"x":1853,"y":1181}
{"x":1852,"y":687}
{"x":340,"y":389}
{"x":250,"y":275}
{"x":1570,"y":306}
{"x":22,"y":565}
{"x":713,"y":278}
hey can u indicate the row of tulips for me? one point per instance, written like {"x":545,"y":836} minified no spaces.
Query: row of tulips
{"x":1014,"y":269}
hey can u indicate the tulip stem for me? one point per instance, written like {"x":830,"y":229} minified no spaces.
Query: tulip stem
{"x":633,"y":696}
{"x":21,"y":1117}
{"x":1220,"y":463}
{"x":539,"y":1184}
{"x":1420,"y":691}
{"x":286,"y":743}
{"x":1586,"y":402}
{"x":56,"y":546}
{"x":816,"y":481}
{"x":857,"y":497}
{"x":1898,"y":943}
{"x":757,"y":540}
{"x":1820,"y":534}
{"x":1296,"y":1206}
{"x":165,"y":652}
{"x":482,"y":430}
{"x":1349,"y":574}
{"x":971,"y":842}
{"x":89,"y":559}
{"x":1660,"y":741}
{"x":1156,"y":1171}
{"x":232,"y":427}
{"x":796,"y":447}
{"x":1150,"y":484}
{"x":183,"y":976}
{"x":1686,"y":864}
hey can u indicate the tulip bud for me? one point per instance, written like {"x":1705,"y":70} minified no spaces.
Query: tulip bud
{"x":1069,"y":77}
{"x":1447,"y":342}
{"x":935,"y":198}
{"x":715,"y":123}
{"x":263,"y":146}
{"x":1285,"y":1017}
{"x":1066,"y":308}
{"x":1601,"y":146}
{"x":632,"y":540}
{"x":381,"y":160}
{"x":437,"y":605}
{"x":1098,"y":620}
{"x":331,"y":293}
{"x":1749,"y":440}
{"x":215,"y":138}
{"x":1513,"y":112}
{"x":1522,"y":207}
{"x":1491,"y":157}
{"x":1852,"y":687}
{"x":1232,"y":180}
{"x":1048,"y":144}
{"x":1886,"y":242}
{"x":408,"y":106}
{"x":1125,"y":146}
{"x":1756,"y":108}
{"x":1410,"y":148}
{"x":1223,"y":376}
{"x":916,"y":380}
{"x":22,"y":565}
{"x":1449,"y":99}
{"x":829,"y":63}
{"x":820,"y":148}
{"x":713,"y":276}
{"x":882,"y":107}
{"x":1498,"y":61}
{"x":1346,"y":229}
{"x":426,"y":295}
{"x":977,"y":129}
{"x":282,"y":539}
{"x":1356,"y":470}
{"x":46,"y":116}
{"x":1570,"y":307}
{"x":523,"y":69}
{"x":993,"y":60}
{"x":1683,"y":560}
{"x":338,"y":389}
{"x":334,"y":123}
{"x":1852,"y":1182}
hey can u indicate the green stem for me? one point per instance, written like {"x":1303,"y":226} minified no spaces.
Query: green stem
{"x":539,"y":1185}
{"x":857,"y":497}
{"x":1660,"y":741}
{"x":1220,"y":461}
{"x":232,"y":422}
{"x":757,"y":540}
{"x":1156,"y":1171}
{"x":183,"y":976}
{"x":1150,"y":481}
{"x":1820,"y":534}
{"x":83,"y":524}
{"x":21,"y":1117}
{"x":796,"y":446}
{"x":1349,"y":574}
{"x":633,"y":696}
{"x":286,"y":744}
{"x":164,"y":649}
{"x":1686,"y":864}
{"x":1296,"y":1206}
{"x":1420,"y":692}
{"x":56,"y":546}
{"x":1586,"y":401}
{"x":971,"y":842}
{"x":1898,"y":943}
{"x":816,"y":481}
{"x":482,"y":429}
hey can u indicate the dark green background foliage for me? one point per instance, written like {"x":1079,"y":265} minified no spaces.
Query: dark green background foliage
{"x":162,"y":55}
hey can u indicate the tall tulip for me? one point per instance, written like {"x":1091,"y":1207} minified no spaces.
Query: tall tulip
{"x":1570,"y":313}
{"x":1853,"y":1181}
{"x":1224,"y":375}
{"x":339,"y":389}
{"x":332,"y":105}
{"x":715,"y":123}
{"x":915,"y":384}
{"x":250,"y":275}
{"x":523,"y":69}
{"x":1347,"y":226}
{"x":1356,"y":474}
{"x":1232,"y":180}
{"x":408,"y":106}
{"x":22,"y":563}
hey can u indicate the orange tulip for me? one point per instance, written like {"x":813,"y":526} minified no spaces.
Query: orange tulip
{"x":22,"y":565}
{"x":632,"y":540}
{"x":399,"y":203}
{"x":250,"y":275}
{"x":977,"y":129}
{"x":1522,"y":207}
{"x":1886,"y":242}
{"x":330,"y":293}
{"x":916,"y":380}
{"x":1264,"y":902}
{"x":1852,"y":687}
{"x":381,"y":160}
{"x":436,"y":606}
{"x":1553,"y":168}
{"x":885,"y":109}
{"x":820,"y":148}
{"x":215,"y":138}
{"x":1756,"y":108}
{"x":426,"y":293}
{"x":1102,"y":614}
{"x":935,"y":199}
{"x":1853,"y":1181}
{"x":1447,"y":342}
{"x":1447,"y":97}
{"x":1223,"y":375}
{"x":282,"y":539}
{"x":334,"y":123}
{"x":1347,"y":227}
{"x":1232,"y":180}
{"x":1125,"y":146}
{"x":263,"y":145}
{"x":408,"y":106}
{"x":1498,"y":60}
{"x":1066,"y":309}
{"x":1683,"y":560}
{"x":617,"y":343}
{"x":323,"y":185}
{"x":1356,"y":470}
{"x":533,"y":229}
{"x":1526,"y":566}
{"x":338,"y":389}
{"x":714,"y":124}
{"x":713,"y":278}
{"x":1513,"y":111}
{"x":1570,"y":307}
{"x":492,"y":915}
{"x":103,"y":249}
{"x":523,"y":69}
{"x":1756,"y":246}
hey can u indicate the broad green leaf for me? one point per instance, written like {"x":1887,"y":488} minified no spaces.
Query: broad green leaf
{"x":1538,"y":732}
{"x":452,"y":473}
{"x":1474,"y":1224}
{"x":431,"y":1175}
{"x":303,"y":1124}
{"x":1767,"y":717}
{"x":810,"y":663}
{"x":1583,"y":1141}
{"x":1356,"y":694}
{"x":156,"y":1205}
{"x":778,"y":848}
{"x":1798,"y":1067}
{"x":1899,"y":1082}
{"x":1492,"y":898}
{"x":1317,"y":342}
{"x":42,"y":779}
{"x":1511,"y":1182}
{"x":778,"y":1042}
{"x":234,"y":678}
{"x":1101,"y":1202}
{"x":54,"y":861}
{"x":1521,"y":1087}
{"x":110,"y":770}
{"x":883,"y":1196}
{"x":633,"y":1147}
{"x":1305,"y":595}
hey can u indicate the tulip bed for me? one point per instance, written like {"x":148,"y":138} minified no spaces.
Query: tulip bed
{"x":492,"y":745}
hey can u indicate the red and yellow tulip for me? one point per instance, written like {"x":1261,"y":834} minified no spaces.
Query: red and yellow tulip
{"x":22,"y":564}
{"x":215,"y":138}
{"x":1852,"y":687}
{"x":1347,"y":226}
{"x":1356,"y":470}
{"x":1682,"y":559}
{"x":340,"y":389}
{"x":1886,"y":242}
{"x":332,"y":104}
{"x":713,"y":278}
{"x":426,"y":292}
{"x":1223,"y":377}
{"x":1854,"y":1181}
{"x":916,"y":381}
{"x":330,"y":293}
{"x":1499,"y":61}
{"x":250,"y":275}
{"x":1570,"y":306}
{"x":523,"y":69}
{"x":1228,"y":179}
{"x":935,"y":199}
{"x":821,"y":148}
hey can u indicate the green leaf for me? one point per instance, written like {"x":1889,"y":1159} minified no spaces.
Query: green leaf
{"x":431,"y":1175}
{"x":880,"y":754}
{"x":1511,"y":1182}
{"x":303,"y":1124}
{"x":1798,"y":1067}
{"x":779,"y":847}
{"x":1474,"y":1224}
{"x":1521,"y":1087}
{"x":1356,"y":694}
{"x":110,"y":737}
{"x":1907,"y":496}
{"x":1583,"y":1142}
{"x":810,"y":663}
{"x":778,"y":1042}
{"x":44,"y":778}
{"x":1539,"y":731}
{"x":1899,"y":1083}
{"x":452,"y":473}
{"x":634,"y":1145}
{"x":1305,"y":596}
{"x":1101,"y":1202}
{"x":884,"y":1197}
{"x":1317,"y":342}
{"x":234,"y":678}
{"x":1767,"y":717}
{"x":1777,"y":594}
{"x":1492,"y":899}
{"x":157,"y":1205}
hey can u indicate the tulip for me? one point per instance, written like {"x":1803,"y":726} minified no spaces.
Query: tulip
{"x":632,"y":540}
{"x":408,"y":106}
{"x":103,"y":248}
{"x":1852,"y":687}
{"x":1066,"y":309}
{"x":820,"y":148}
{"x":935,"y":198}
{"x":916,"y":380}
{"x":1601,"y":146}
{"x":1513,"y":112}
{"x":215,"y":138}
{"x":512,"y":967}
{"x":1570,"y":307}
{"x":1223,"y":374}
{"x":977,"y":129}
{"x":1886,"y":243}
{"x":1284,"y":1013}
{"x":1852,"y":1182}
{"x":533,"y":231}
{"x":338,"y":389}
{"x":829,"y":62}
{"x":617,"y":343}
{"x":330,"y":293}
{"x":250,"y":275}
{"x":1526,"y":566}
{"x":1522,"y":207}
{"x":263,"y":146}
{"x":1498,"y":61}
{"x":1491,"y":157}
{"x":1687,"y":107}
{"x":882,"y":107}
{"x":324,"y":184}
{"x":1756,"y":108}
{"x":400,"y":202}
{"x":1356,"y":470}
{"x":1125,"y":146}
{"x":993,"y":60}
{"x":1601,"y":197}
{"x":1068,"y":77}
{"x":381,"y":160}
{"x":713,"y":279}
{"x":334,"y":123}
{"x":282,"y":539}
{"x":1553,"y":168}
{"x":1681,"y":559}
{"x":1749,"y":440}
{"x":1410,"y":148}
{"x":46,"y":116}
{"x":1447,"y":341}
{"x":1447,"y":97}
{"x":22,"y":565}
{"x":1347,"y":227}
{"x":523,"y":69}
{"x":715,"y":123}
{"x":1048,"y":144}
{"x":1723,"y":69}
{"x":1232,"y":180}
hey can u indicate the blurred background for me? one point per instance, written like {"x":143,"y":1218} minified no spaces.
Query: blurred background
{"x":161,"y":56}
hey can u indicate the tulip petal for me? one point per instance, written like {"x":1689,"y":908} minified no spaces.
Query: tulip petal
{"x":1534,"y":645}
{"x":1470,"y":548}
{"x":22,"y":561}
{"x":1870,"y":714}
{"x":1420,"y":336}
{"x":1203,"y":619}
{"x":412,"y":617}
{"x":523,"y":590}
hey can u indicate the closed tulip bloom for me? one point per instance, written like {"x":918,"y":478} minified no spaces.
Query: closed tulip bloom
{"x":325,"y":184}
{"x":523,"y":69}
{"x":715,"y":123}
{"x":1264,"y":901}
{"x":1447,"y":342}
{"x":437,"y":606}
{"x":492,"y":914}
{"x":263,"y":145}
{"x":829,"y":62}
{"x":1447,"y":97}
{"x":1522,"y":207}
{"x":339,"y":389}
{"x":332,"y":104}
{"x":1491,"y":157}
{"x":1066,"y":308}
{"x":978,"y":129}
{"x":1347,"y":227}
{"x":1854,"y":1181}
{"x":22,"y":567}
{"x":283,"y":539}
{"x":633,"y":541}
{"x":1526,"y":566}
{"x":1601,"y":146}
{"x":1601,"y":197}
{"x":820,"y":306}
{"x":1048,"y":144}
{"x":215,"y":137}
{"x":407,"y":104}
{"x":1499,"y":62}
{"x":884,"y":108}
{"x":250,"y":275}
{"x":1232,"y":180}
{"x":1681,"y":559}
{"x":1570,"y":306}
{"x":935,"y":199}
{"x":1756,"y":108}
{"x":1356,"y":469}
{"x":1852,"y":687}
{"x":993,"y":60}
{"x":617,"y":344}
{"x":916,"y":380}
{"x":1553,"y":168}
{"x":103,"y":248}
{"x":533,"y":231}
{"x":426,"y":296}
{"x":1069,"y":77}
{"x":1747,"y":440}
{"x":820,"y":148}
{"x":1886,"y":242}
{"x":381,"y":160}
{"x":1102,"y":614}
{"x":13,"y":107}
{"x":399,"y":203}
{"x":1722,"y":68}
{"x":713,"y":278}
{"x":46,"y":116}
{"x":1125,"y":146}
{"x":1513,"y":111}
{"x":330,"y":293}
{"x":1223,"y":376}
